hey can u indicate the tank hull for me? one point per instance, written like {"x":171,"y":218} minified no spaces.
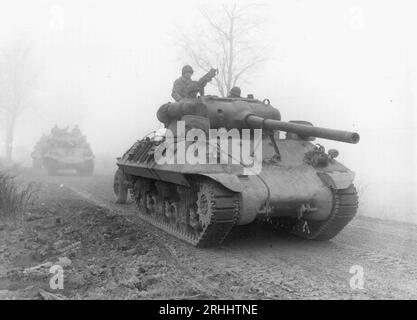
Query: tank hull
{"x":285,"y":192}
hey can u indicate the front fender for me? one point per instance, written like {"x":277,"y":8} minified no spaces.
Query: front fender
{"x":336,"y":179}
{"x":229,"y":181}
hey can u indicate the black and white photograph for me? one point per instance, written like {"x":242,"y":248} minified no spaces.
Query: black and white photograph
{"x":206,"y":156}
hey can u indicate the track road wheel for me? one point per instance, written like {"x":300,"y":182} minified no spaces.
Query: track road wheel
{"x":119,"y":187}
{"x":202,"y":214}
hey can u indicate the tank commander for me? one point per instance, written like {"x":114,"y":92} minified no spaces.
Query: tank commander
{"x":55,"y":131}
{"x":235,"y":92}
{"x":179,"y":90}
{"x":76,"y":132}
{"x":58,"y":132}
{"x":169,"y":113}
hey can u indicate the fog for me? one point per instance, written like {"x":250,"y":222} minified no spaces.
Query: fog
{"x":108,"y":66}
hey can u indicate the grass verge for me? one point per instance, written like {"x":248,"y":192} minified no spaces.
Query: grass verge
{"x":15,"y":197}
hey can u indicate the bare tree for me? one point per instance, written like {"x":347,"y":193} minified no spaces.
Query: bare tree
{"x":227,"y":39}
{"x":17,"y":79}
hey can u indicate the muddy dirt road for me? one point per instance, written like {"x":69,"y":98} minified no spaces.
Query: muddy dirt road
{"x":254,"y":262}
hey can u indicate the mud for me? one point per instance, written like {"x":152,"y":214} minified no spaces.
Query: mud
{"x":115,"y":255}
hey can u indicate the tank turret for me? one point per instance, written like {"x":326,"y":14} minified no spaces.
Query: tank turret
{"x":246,"y":113}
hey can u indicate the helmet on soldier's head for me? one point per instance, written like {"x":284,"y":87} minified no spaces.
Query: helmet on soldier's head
{"x":76,"y":131}
{"x":186,"y":69}
{"x":235,"y":92}
{"x":55,"y":130}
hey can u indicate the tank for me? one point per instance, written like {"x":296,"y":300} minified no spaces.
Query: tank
{"x":299,"y":187}
{"x":64,"y":150}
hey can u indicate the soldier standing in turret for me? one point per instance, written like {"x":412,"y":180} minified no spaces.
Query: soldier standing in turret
{"x":179,"y":91}
{"x":76,"y":132}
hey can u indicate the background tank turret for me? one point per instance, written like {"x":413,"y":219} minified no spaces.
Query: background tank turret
{"x":300,"y":188}
{"x":63,"y":149}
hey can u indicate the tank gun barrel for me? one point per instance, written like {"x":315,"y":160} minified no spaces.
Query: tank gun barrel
{"x":303,"y":130}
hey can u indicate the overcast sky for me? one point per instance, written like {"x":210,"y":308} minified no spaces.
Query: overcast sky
{"x":109,"y":65}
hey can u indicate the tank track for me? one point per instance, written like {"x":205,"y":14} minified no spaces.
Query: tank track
{"x":344,"y":209}
{"x":216,"y":206}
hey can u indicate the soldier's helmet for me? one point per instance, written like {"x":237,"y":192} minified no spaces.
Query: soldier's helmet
{"x":55,"y":131}
{"x":76,"y":131}
{"x":235,"y":92}
{"x":186,"y":69}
